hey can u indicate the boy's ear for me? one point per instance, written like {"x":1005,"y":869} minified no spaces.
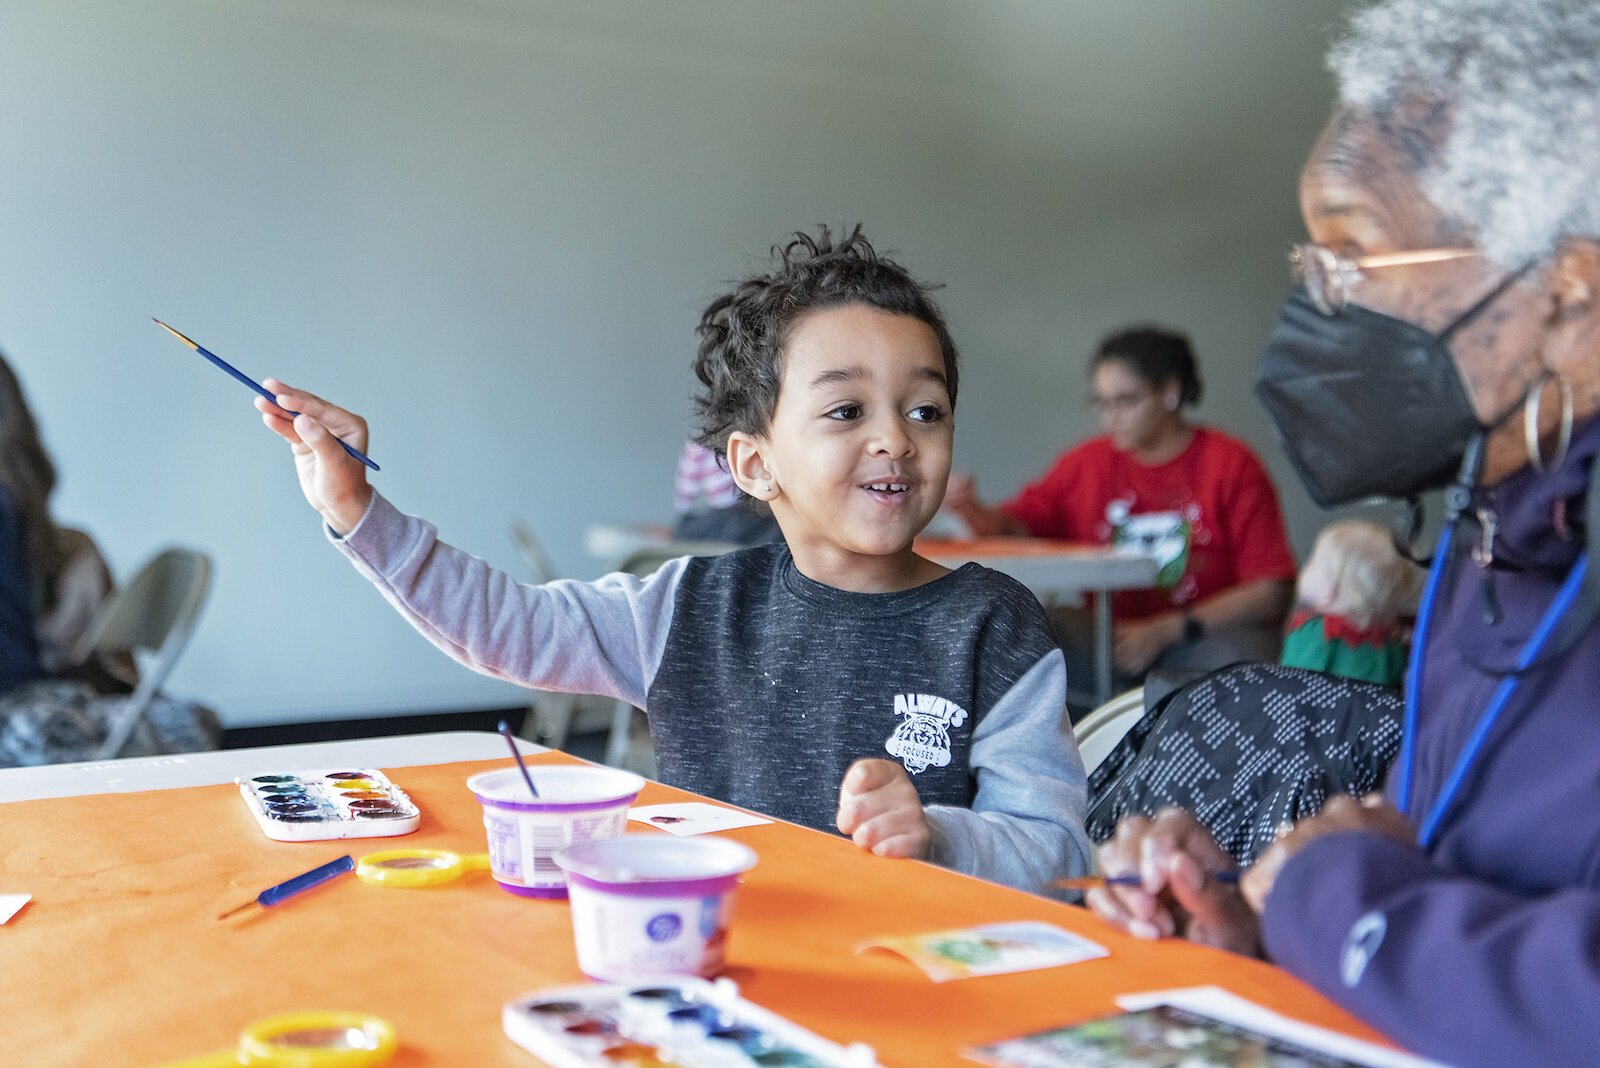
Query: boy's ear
{"x":748,"y":466}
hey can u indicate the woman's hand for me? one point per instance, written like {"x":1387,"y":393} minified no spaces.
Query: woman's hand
{"x":1371,"y":814}
{"x":1136,"y":644}
{"x":333,"y":481}
{"x":880,"y":810}
{"x":961,"y":495}
{"x":1174,"y":854}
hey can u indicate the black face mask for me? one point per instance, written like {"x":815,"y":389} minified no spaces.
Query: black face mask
{"x":1365,"y":404}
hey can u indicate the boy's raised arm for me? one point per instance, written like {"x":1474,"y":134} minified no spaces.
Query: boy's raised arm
{"x":604,"y":637}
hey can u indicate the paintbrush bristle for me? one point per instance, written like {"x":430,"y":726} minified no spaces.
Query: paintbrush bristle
{"x":174,"y":333}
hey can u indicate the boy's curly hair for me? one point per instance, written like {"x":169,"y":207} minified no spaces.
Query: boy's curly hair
{"x":743,"y":332}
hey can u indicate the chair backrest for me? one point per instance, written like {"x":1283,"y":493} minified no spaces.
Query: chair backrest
{"x":532,"y":553}
{"x":154,"y":614}
{"x":1099,"y":732}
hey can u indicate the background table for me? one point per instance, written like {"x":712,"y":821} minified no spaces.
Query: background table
{"x":119,"y":959}
{"x":1058,"y":572}
{"x":225,"y":765}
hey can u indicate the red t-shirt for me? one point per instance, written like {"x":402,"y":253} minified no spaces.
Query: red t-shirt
{"x":1210,"y":516}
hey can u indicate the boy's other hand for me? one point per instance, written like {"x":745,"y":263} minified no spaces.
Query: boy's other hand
{"x":1173,"y":854}
{"x":880,"y":810}
{"x":333,"y":481}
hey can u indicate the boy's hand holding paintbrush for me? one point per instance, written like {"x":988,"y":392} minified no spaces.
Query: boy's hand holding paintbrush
{"x":332,"y":480}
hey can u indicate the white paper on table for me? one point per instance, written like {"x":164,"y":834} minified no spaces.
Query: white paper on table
{"x":11,"y":904}
{"x":694,"y":817}
{"x":1230,"y":1008}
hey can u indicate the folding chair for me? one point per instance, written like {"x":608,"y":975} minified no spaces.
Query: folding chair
{"x":1099,"y":732}
{"x":152,"y":618}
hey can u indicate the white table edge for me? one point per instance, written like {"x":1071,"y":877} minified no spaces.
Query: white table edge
{"x":134,"y":774}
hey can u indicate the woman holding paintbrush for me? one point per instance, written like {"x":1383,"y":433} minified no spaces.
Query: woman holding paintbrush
{"x":1445,"y":331}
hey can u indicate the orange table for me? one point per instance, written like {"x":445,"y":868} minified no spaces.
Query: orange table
{"x":119,"y":959}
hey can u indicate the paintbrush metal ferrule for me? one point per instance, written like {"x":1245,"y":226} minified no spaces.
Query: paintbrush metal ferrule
{"x":175,"y":333}
{"x":239,"y":909}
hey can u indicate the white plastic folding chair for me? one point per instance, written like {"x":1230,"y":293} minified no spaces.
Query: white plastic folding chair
{"x":152,"y":618}
{"x":1099,"y":732}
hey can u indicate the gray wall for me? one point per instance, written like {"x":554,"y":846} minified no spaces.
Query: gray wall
{"x":489,"y":226}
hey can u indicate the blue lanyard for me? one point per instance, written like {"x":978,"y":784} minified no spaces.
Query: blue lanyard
{"x":1470,"y":753}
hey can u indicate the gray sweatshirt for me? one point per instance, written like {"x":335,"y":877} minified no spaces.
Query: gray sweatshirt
{"x":762,"y":686}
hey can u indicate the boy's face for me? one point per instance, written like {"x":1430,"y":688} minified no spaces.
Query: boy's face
{"x":858,"y":452}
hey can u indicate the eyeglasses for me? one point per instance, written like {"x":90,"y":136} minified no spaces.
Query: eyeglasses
{"x":1121,"y":402}
{"x":1327,"y":276}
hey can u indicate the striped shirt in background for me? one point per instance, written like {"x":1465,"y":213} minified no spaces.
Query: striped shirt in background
{"x":701,"y":481}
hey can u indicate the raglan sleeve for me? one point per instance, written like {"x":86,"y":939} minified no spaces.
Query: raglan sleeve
{"x":1025,"y":827}
{"x":605,"y":637}
{"x":1455,"y":968}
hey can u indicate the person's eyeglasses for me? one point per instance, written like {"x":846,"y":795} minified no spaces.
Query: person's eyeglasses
{"x":1121,"y":402}
{"x":1327,"y":276}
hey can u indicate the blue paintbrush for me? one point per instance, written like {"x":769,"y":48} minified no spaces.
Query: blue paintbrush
{"x":1089,"y":882}
{"x":257,"y":386}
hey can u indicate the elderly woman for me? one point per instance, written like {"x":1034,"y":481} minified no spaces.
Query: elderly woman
{"x":1446,"y":327}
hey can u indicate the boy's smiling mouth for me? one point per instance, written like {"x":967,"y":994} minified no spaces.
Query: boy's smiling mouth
{"x":887,"y":489}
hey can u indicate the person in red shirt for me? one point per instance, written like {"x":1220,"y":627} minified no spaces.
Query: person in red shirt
{"x":1195,"y":497}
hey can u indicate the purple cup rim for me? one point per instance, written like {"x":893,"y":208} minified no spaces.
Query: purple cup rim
{"x":622,"y":798}
{"x":699,"y":886}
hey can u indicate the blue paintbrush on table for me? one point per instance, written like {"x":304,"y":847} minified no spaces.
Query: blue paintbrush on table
{"x":275,"y":895}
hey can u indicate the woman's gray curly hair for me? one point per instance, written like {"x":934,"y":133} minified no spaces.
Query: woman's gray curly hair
{"x":1520,"y":82}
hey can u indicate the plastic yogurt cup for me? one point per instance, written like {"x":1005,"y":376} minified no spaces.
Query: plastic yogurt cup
{"x":646,"y":905}
{"x":575,"y":805}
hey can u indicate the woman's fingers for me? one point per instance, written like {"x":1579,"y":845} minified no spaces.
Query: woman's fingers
{"x":1136,"y":909}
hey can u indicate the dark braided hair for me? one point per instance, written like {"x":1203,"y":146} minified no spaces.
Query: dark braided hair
{"x":743,"y":332}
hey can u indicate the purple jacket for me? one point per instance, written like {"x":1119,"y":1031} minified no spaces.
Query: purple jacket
{"x":1485,"y":949}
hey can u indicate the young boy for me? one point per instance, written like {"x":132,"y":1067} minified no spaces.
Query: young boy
{"x":781,"y":677}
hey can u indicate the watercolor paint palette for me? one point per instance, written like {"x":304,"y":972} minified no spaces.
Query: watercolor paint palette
{"x":674,"y":1022}
{"x":310,"y":806}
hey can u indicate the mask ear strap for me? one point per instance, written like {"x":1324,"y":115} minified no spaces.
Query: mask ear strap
{"x":1472,"y":313}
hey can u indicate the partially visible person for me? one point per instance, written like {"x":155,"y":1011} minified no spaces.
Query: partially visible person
{"x":710,"y":505}
{"x":32,"y":551}
{"x":1194,"y":497}
{"x":1350,"y":600}
{"x":1445,"y":328}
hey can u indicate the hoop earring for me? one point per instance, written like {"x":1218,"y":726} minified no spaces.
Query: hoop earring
{"x":1531,"y":406}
